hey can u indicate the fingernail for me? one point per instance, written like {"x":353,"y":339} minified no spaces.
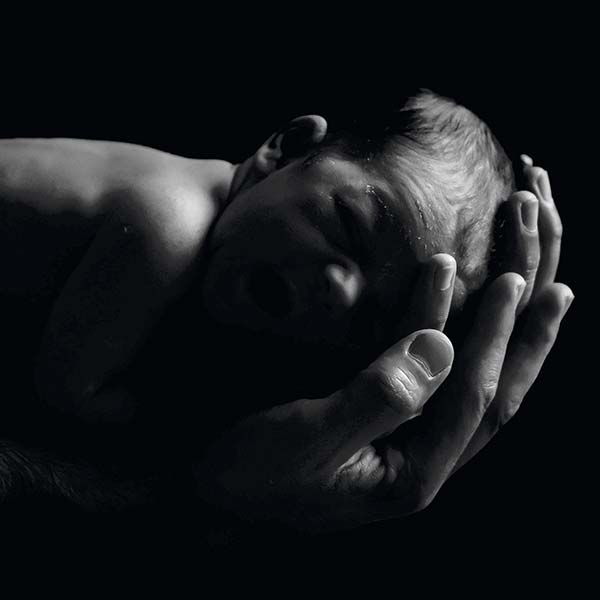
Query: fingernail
{"x":433,"y":352}
{"x":520,"y":287}
{"x":526,"y":159}
{"x":529,"y":215}
{"x":443,"y":277}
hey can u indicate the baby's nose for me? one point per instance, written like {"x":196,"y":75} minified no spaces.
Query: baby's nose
{"x":344,"y":286}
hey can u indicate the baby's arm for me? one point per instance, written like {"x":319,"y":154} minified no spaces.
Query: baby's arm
{"x":141,"y":259}
{"x":149,"y":213}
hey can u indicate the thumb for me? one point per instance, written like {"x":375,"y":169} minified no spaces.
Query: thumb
{"x":390,"y":391}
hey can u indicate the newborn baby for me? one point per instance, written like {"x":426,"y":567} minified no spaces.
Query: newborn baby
{"x":330,"y":242}
{"x":317,"y":237}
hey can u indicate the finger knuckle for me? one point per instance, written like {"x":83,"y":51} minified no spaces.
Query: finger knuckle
{"x":536,"y":172}
{"x":496,"y":417}
{"x":509,"y":410}
{"x":545,"y":335}
{"x":394,"y":387}
{"x":482,"y":393}
{"x":502,"y":294}
{"x":557,"y":230}
{"x":531,"y":263}
{"x":481,"y":382}
{"x":487,"y":392}
{"x":539,"y":336}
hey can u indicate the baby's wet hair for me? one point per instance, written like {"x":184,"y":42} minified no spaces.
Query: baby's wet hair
{"x":445,"y":153}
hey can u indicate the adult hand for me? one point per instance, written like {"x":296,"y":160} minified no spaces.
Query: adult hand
{"x":351,"y":458}
{"x":536,"y":231}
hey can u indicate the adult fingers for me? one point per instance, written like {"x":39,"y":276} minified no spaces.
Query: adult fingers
{"x":525,"y":357}
{"x":549,"y":224}
{"x":303,"y":443}
{"x":432,"y":297}
{"x":527,"y":160}
{"x":521,"y":241}
{"x":392,"y":390}
{"x":436,"y":441}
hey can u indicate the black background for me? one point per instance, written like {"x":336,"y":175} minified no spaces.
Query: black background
{"x":526,"y":499}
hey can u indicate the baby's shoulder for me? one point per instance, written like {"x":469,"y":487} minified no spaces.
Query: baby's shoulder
{"x":171,"y":205}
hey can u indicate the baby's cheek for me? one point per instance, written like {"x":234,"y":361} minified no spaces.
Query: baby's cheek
{"x":459,"y":296}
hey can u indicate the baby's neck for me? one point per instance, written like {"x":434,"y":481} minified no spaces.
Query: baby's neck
{"x":217,"y":178}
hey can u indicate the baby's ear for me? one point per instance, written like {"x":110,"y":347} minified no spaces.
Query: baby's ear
{"x":293,"y":140}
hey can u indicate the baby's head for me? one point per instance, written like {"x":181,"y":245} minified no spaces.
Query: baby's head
{"x":326,"y":228}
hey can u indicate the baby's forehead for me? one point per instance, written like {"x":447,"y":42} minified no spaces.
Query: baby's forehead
{"x":408,"y":200}
{"x":333,"y":167}
{"x":332,"y":173}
